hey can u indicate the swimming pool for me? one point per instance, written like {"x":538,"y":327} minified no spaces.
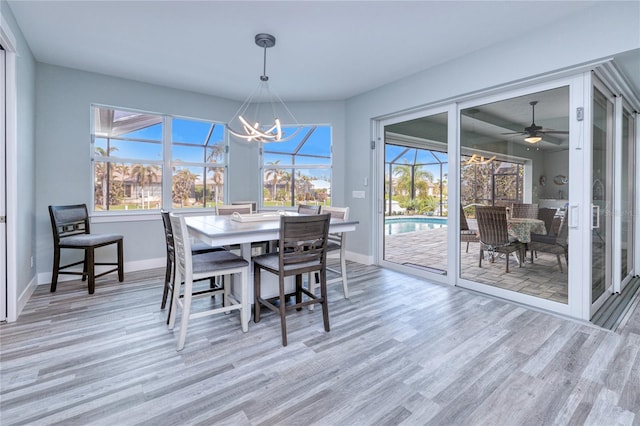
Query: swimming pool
{"x":400,"y":225}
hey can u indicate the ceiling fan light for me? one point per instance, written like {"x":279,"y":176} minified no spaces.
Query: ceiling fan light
{"x":533,"y":139}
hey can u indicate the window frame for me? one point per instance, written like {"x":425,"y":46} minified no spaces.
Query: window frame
{"x":293,"y":167}
{"x":166,"y":163}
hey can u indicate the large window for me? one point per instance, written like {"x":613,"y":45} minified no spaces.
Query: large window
{"x":298,"y":171}
{"x":137,"y":154}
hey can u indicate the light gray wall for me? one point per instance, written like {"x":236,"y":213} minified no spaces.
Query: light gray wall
{"x":565,"y":44}
{"x":63,"y":172}
{"x":24,"y":223}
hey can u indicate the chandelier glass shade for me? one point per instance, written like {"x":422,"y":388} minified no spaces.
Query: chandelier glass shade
{"x":533,"y":139}
{"x":263,"y":116}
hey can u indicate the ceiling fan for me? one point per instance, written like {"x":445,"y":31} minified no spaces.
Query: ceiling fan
{"x":534,"y":132}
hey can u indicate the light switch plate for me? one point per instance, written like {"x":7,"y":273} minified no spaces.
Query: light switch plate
{"x":357,"y":194}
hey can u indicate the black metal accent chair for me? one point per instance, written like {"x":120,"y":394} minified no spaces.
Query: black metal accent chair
{"x":197,"y":249}
{"x":467,"y":235}
{"x":302,"y":249}
{"x":494,"y":236}
{"x":71,"y":230}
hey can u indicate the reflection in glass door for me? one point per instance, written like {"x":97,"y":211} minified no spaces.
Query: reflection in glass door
{"x":601,"y":198}
{"x":415,"y":194}
{"x":627,"y":200}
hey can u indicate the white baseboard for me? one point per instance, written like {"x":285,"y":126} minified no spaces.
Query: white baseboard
{"x":138,"y":265}
{"x":359,"y":258}
{"x":25,"y":296}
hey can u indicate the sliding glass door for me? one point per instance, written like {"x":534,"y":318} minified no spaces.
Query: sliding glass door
{"x":601,"y":197}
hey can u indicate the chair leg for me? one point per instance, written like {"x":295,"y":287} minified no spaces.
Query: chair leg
{"x":481,"y":256}
{"x":324,"y":303}
{"x":467,"y":247}
{"x":298,"y":291}
{"x":559,"y":262}
{"x":256,"y":293}
{"x":172,"y":286}
{"x":56,"y":266}
{"x":120,"y":261}
{"x":85,"y":272}
{"x":282,"y":310}
{"x":313,"y":285}
{"x":244,"y":312}
{"x":90,"y":265}
{"x":186,"y":310}
{"x":343,"y":273}
{"x":167,"y":278}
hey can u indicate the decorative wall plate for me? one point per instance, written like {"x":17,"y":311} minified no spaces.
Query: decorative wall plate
{"x":560,"y":180}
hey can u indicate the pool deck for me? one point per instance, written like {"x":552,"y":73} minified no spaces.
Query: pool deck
{"x":427,"y":250}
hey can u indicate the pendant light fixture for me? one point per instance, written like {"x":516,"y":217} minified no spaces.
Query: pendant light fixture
{"x":262,"y":115}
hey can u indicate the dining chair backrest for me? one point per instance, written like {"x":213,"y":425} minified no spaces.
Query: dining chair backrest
{"x":547,"y":215}
{"x":336,"y":213}
{"x":524,"y":210}
{"x":305,"y":209}
{"x":464,"y":226}
{"x":69,"y":220}
{"x":181,"y":245}
{"x":254,"y":205}
{"x":303,"y":241}
{"x":229,"y":209}
{"x":492,"y":225}
{"x":168,"y":232}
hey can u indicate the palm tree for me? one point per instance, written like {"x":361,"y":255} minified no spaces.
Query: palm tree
{"x":183,"y":182}
{"x":218,"y":180}
{"x":103,"y":172}
{"x":143,"y":174}
{"x":275,"y":176}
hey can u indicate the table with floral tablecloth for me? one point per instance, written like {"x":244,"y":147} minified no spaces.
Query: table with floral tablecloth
{"x":522,"y":227}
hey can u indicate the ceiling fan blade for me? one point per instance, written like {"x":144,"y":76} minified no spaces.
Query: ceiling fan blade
{"x":551,"y":132}
{"x":514,"y":133}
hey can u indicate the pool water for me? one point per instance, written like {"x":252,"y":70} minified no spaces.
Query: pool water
{"x":400,"y":225}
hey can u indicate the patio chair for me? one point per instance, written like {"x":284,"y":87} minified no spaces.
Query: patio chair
{"x":467,"y":235}
{"x":70,"y":225}
{"x":494,"y":237}
{"x":524,"y":210}
{"x":302,"y":249}
{"x":553,"y":244}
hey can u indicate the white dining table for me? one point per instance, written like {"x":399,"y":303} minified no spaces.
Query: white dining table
{"x":226,"y":230}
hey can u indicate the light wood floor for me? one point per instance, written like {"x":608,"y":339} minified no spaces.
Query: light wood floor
{"x":400,"y":351}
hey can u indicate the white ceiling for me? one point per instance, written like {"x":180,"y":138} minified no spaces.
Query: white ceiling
{"x":325,"y":50}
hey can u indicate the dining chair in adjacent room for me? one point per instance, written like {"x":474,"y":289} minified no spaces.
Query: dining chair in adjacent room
{"x":302,"y":249}
{"x":197,"y":249}
{"x":524,"y":210}
{"x":305,"y":209}
{"x":229,"y":209}
{"x":191,"y":268}
{"x":71,"y":230}
{"x":546,"y":215}
{"x":494,"y":236}
{"x":467,"y":235}
{"x":555,"y":243}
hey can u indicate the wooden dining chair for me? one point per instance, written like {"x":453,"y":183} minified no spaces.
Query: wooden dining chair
{"x":302,"y":249}
{"x":254,"y":205}
{"x":306,"y":209}
{"x":555,"y":243}
{"x":191,"y":268}
{"x":229,"y":209}
{"x":494,"y":236}
{"x":71,"y":230}
{"x":336,"y":243}
{"x":197,"y":249}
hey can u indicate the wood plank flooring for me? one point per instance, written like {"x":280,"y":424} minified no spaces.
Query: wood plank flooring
{"x":400,"y":351}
